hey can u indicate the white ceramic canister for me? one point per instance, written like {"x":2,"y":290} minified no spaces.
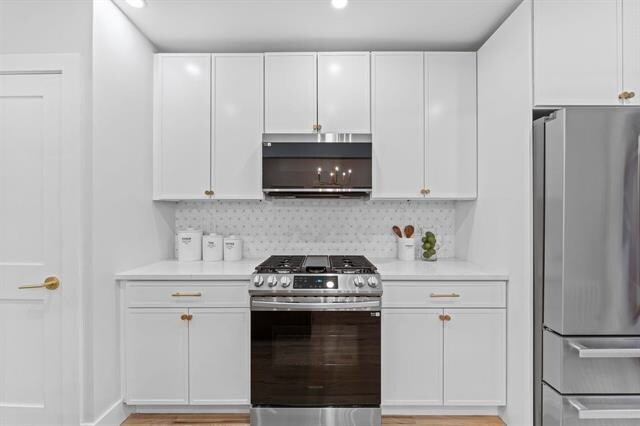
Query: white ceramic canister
{"x":189,"y":245}
{"x":232,"y":248}
{"x":212,"y":247}
{"x":406,"y":249}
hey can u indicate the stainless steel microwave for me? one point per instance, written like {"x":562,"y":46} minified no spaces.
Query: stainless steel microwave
{"x":316,"y":165}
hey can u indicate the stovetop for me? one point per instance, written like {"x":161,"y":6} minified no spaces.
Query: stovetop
{"x":343,"y":264}
{"x":323,"y":275}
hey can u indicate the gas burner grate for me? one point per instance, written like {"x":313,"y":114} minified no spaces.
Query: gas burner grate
{"x":281,"y":264}
{"x":351,"y":264}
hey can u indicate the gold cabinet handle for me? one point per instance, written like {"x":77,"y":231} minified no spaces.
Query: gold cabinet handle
{"x":445,"y":317}
{"x":50,"y":283}
{"x":626,"y":95}
{"x":179,"y":294}
{"x":436,"y":295}
{"x":315,"y":127}
{"x":186,"y":317}
{"x":319,"y":127}
{"x":425,"y":191}
{"x":208,"y":193}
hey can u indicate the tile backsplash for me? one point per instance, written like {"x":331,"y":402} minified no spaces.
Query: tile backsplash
{"x":320,"y":226}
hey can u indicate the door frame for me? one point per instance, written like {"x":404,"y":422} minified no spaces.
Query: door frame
{"x":74,"y":129}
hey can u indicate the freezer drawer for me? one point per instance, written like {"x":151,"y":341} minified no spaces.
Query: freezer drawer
{"x":562,"y":410}
{"x":591,"y":365}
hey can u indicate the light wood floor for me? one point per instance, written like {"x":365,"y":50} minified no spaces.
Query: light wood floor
{"x":243,"y":420}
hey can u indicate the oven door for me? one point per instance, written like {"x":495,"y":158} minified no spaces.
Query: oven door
{"x":315,"y":352}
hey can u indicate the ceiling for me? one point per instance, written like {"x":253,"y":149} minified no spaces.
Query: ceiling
{"x":314,"y":25}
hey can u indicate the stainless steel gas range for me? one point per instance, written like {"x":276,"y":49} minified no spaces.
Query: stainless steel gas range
{"x":315,"y":341}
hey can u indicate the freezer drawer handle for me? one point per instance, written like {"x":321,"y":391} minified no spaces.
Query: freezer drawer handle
{"x":585,"y":352}
{"x":585,"y":413}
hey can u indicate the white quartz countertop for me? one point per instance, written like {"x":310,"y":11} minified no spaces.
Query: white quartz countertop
{"x":389,"y":269}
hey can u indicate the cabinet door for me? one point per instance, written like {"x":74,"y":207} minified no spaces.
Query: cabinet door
{"x":451,"y":153}
{"x":576,"y":52}
{"x":411,"y":357}
{"x":475,"y":357}
{"x":344,"y":104}
{"x":631,"y":49}
{"x":219,"y":356}
{"x":156,"y":356}
{"x":237,"y":119}
{"x":397,"y":92}
{"x":182,"y":139}
{"x":290,"y":92}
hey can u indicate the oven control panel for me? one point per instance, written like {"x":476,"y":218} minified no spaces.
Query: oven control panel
{"x":315,"y":282}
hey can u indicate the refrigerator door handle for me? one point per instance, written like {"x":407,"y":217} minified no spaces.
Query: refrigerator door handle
{"x":585,"y":413}
{"x":585,"y":352}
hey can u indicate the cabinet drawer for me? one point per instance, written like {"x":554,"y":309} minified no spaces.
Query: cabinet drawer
{"x":187,"y":293}
{"x":434,"y":294}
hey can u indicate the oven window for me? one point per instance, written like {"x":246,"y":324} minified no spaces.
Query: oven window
{"x":315,"y":358}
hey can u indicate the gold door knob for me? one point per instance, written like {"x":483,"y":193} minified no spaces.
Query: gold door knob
{"x":441,"y":317}
{"x":315,"y":127}
{"x":445,"y":317}
{"x":631,"y":95}
{"x":425,"y":191}
{"x":50,"y":283}
{"x":208,"y":193}
{"x":186,"y":317}
{"x":319,"y":127}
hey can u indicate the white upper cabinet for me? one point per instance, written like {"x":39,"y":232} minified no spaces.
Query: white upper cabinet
{"x":424,"y":125}
{"x":451,"y":145}
{"x":586,"y":52}
{"x":397,"y":96}
{"x":344,"y":104}
{"x":182,"y":110}
{"x":290,"y":92}
{"x":237,"y":123}
{"x":631,"y":49}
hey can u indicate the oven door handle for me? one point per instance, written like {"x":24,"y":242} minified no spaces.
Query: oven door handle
{"x":322,"y":306}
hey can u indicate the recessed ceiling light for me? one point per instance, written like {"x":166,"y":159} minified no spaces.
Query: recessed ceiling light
{"x":138,"y":4}
{"x":339,"y":4}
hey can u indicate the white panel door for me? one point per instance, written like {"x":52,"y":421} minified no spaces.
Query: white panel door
{"x":397,"y":95}
{"x":576,"y":52}
{"x":182,"y":114}
{"x":411,"y":357}
{"x":344,"y":92}
{"x":30,"y":245}
{"x":219,"y":356}
{"x":237,"y":119}
{"x":475,"y":357}
{"x":631,"y":49}
{"x":451,"y":148}
{"x":290,"y":104}
{"x":157,"y":362}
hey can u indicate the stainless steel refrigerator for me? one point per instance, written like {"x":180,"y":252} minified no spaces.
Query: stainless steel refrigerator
{"x":587,"y":267}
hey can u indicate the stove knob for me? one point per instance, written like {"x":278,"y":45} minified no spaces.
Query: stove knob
{"x":373,"y":282}
{"x":258,"y":281}
{"x":285,"y":281}
{"x":358,"y":281}
{"x":272,"y":281}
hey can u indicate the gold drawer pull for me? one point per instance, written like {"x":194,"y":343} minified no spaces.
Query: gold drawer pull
{"x":178,"y":294}
{"x":446,"y":317}
{"x":435,"y":295}
{"x":186,"y":317}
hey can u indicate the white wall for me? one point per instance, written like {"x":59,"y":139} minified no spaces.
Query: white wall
{"x":128,"y":229}
{"x":496,"y":229}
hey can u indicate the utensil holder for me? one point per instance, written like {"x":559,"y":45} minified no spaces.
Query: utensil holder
{"x":406,"y":249}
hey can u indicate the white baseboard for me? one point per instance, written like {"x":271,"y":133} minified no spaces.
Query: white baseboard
{"x":215,"y":409}
{"x":113,"y":416}
{"x":408,"y":410}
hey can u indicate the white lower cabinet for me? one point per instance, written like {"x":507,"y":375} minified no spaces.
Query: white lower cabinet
{"x":180,"y":356}
{"x":475,"y":357}
{"x":157,"y":356}
{"x":412,"y":357}
{"x":450,"y":355}
{"x":219,"y":356}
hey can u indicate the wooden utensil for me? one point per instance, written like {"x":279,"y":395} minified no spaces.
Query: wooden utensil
{"x":408,"y":231}
{"x":397,"y":231}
